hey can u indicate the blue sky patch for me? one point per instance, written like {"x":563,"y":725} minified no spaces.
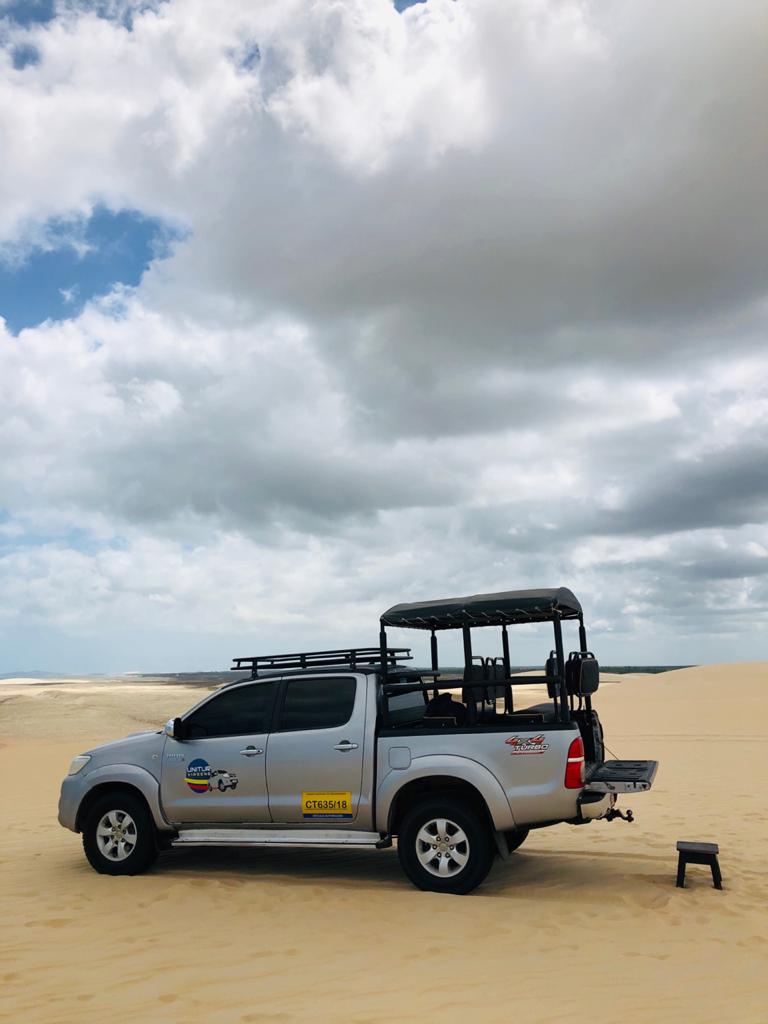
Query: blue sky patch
{"x":250,"y":57}
{"x":28,"y":12}
{"x":24,"y":55}
{"x":80,"y":261}
{"x":31,"y":12}
{"x":125,"y":16}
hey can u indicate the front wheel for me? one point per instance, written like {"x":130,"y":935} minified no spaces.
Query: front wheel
{"x":445,"y":846}
{"x":119,"y":835}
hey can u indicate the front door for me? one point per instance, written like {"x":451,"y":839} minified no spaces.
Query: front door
{"x":217,"y":773}
{"x":315,"y":755}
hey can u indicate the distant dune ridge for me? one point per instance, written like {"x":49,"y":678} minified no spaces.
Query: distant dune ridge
{"x":581,"y":923}
{"x":217,"y":678}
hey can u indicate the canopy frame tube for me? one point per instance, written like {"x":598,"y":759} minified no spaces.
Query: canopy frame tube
{"x":583,"y":647}
{"x":564,"y":709}
{"x":561,"y":702}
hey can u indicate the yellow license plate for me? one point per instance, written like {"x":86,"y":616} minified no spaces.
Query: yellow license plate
{"x":326,"y":805}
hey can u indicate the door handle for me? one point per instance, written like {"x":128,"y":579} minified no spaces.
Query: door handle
{"x":251,"y":751}
{"x":345,"y":745}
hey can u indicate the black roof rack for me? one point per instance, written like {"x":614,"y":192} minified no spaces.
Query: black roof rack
{"x":349,"y":657}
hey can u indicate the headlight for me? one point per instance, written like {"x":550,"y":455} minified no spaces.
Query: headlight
{"x":78,"y":763}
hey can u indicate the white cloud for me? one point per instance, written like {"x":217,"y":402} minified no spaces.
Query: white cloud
{"x":471,"y":298}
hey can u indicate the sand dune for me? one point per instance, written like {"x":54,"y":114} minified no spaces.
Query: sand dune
{"x":581,"y":924}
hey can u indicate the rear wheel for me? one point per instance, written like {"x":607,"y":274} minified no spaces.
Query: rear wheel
{"x":445,"y":846}
{"x":119,"y":835}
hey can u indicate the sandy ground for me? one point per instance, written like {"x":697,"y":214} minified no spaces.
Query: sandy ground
{"x":583,"y":923}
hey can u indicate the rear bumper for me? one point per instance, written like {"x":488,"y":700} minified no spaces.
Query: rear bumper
{"x":593,"y":806}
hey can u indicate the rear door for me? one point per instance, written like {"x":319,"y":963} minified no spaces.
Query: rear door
{"x":315,"y":755}
{"x":217,"y":774}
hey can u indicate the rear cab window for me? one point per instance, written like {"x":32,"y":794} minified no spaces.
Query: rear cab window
{"x":405,"y":709}
{"x":319,"y":703}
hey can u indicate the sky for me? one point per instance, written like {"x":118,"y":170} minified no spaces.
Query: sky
{"x":315,"y":306}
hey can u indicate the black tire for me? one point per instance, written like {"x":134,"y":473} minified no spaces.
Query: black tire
{"x":139,"y":848}
{"x":516,"y":838}
{"x":478,"y":848}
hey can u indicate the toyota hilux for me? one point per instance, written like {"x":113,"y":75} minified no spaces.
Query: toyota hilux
{"x":353,"y":747}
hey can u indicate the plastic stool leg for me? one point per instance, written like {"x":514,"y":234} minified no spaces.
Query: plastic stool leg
{"x":681,"y":872}
{"x":717,"y":878}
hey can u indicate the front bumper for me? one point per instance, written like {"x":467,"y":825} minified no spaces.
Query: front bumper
{"x":72,"y":791}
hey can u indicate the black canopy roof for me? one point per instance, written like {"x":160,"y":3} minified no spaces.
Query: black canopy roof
{"x":507,"y":608}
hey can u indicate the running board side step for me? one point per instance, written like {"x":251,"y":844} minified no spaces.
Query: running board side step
{"x":279,"y":837}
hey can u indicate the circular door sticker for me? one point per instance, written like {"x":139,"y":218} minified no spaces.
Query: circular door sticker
{"x":198,"y":774}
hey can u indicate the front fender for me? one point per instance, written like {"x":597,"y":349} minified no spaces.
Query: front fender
{"x":463,"y":769}
{"x":127,"y":774}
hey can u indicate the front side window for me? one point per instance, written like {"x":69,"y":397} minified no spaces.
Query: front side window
{"x":317,"y":703}
{"x":244,"y":711}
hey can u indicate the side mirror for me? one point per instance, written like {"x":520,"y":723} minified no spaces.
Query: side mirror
{"x":174,"y":728}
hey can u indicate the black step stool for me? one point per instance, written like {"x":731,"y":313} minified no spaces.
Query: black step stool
{"x":698,"y":853}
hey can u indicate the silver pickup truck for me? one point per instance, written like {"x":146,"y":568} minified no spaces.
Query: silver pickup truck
{"x":354,"y":748}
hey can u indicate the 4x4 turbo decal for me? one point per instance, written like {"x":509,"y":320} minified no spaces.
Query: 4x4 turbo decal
{"x":527,"y":744}
{"x":201,"y":778}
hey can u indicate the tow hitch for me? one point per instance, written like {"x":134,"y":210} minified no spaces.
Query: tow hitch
{"x":612,"y":813}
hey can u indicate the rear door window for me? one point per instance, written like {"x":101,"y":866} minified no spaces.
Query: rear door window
{"x":244,"y":711}
{"x":317,"y":703}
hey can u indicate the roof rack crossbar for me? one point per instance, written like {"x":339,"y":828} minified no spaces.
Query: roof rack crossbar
{"x":349,"y":657}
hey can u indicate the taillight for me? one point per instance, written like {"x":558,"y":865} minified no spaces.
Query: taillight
{"x":574,"y":766}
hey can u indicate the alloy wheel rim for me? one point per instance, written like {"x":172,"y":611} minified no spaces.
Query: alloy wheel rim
{"x":442,"y":848}
{"x":116,"y":835}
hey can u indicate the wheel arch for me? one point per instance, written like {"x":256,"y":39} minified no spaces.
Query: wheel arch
{"x":128,"y":779}
{"x":470,"y":782}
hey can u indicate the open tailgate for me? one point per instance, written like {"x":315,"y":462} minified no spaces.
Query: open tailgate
{"x":622,"y":776}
